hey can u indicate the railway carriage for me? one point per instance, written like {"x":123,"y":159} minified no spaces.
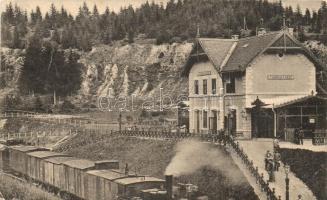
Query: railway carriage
{"x":18,"y":158}
{"x":100,"y":185}
{"x":54,"y":171}
{"x":36,"y":164}
{"x":73,"y":177}
{"x":74,"y":172}
{"x":132,"y":186}
{"x":4,"y":157}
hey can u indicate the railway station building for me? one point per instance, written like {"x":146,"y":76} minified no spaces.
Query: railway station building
{"x":260,"y":86}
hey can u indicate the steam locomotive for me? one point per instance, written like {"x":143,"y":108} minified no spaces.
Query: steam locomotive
{"x":81,"y":179}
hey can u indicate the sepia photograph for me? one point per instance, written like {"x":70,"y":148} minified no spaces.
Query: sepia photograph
{"x":163,"y":100}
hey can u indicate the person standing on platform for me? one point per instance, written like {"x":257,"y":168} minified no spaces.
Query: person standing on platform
{"x":277,"y":158}
{"x":268,"y":157}
{"x":276,"y":144}
{"x":296,"y":136}
{"x":301,"y":136}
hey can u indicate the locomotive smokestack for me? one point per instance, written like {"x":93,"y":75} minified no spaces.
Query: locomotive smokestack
{"x":169,"y":187}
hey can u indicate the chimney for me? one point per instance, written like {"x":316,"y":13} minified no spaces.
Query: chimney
{"x":106,"y":164}
{"x":169,"y":187}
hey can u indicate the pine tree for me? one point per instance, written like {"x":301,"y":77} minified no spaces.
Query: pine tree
{"x":15,"y":38}
{"x":307,"y":17}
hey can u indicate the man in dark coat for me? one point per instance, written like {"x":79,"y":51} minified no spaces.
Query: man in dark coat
{"x":296,"y":136}
{"x":301,"y":136}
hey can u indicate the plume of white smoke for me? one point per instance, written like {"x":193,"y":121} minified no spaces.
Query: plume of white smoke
{"x":193,"y":155}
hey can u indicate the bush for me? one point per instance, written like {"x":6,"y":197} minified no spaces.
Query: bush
{"x":67,"y":106}
{"x":310,"y":167}
{"x":14,"y":189}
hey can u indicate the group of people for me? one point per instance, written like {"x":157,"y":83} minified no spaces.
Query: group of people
{"x":298,"y":136}
{"x":272,"y":161}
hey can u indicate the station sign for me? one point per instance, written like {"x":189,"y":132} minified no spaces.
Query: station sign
{"x":204,"y":73}
{"x":280,"y":77}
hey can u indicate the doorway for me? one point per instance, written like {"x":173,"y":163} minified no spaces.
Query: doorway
{"x":231,"y":122}
{"x":197,"y":123}
{"x":262,"y":124}
{"x":213,"y":122}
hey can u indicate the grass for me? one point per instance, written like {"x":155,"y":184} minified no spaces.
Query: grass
{"x":11,"y":189}
{"x":151,"y":157}
{"x":310,"y":167}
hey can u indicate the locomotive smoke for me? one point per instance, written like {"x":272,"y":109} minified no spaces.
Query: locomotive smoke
{"x":193,"y":155}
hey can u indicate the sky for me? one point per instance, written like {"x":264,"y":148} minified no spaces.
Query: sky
{"x":73,"y":5}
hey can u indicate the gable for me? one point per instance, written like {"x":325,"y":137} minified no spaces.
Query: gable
{"x":285,"y":41}
{"x":228,"y":55}
{"x":209,"y":49}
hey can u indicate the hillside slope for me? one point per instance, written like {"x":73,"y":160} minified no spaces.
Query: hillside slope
{"x":122,"y":69}
{"x":151,"y":157}
{"x":141,"y":69}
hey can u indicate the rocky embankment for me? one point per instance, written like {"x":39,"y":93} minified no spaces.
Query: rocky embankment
{"x":139,"y":69}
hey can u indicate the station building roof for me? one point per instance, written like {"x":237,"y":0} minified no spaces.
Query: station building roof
{"x":234,"y":55}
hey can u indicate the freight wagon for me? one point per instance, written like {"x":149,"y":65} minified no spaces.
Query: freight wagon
{"x":83,"y":179}
{"x":54,"y":171}
{"x":36,"y":166}
{"x":74,"y":172}
{"x":18,"y":158}
{"x":4,"y":157}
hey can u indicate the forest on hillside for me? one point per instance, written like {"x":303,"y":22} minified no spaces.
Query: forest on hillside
{"x":175,"y":21}
{"x":50,"y":39}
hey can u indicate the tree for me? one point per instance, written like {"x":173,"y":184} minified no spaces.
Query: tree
{"x":95,"y":13}
{"x":307,"y":16}
{"x":130,"y":36}
{"x":15,"y":39}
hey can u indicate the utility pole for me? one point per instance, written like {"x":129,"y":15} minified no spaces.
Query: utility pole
{"x":119,"y":120}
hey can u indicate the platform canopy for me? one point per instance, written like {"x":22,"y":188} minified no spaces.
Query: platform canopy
{"x":279,"y":101}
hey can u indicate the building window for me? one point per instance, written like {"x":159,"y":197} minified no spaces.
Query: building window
{"x":213,"y":86}
{"x":230,"y":84}
{"x":205,"y":119}
{"x":205,"y":86}
{"x":196,"y":87}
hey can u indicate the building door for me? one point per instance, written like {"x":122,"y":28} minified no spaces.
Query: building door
{"x":197,"y":123}
{"x":213,"y":121}
{"x":263,"y":124}
{"x":231,"y":122}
